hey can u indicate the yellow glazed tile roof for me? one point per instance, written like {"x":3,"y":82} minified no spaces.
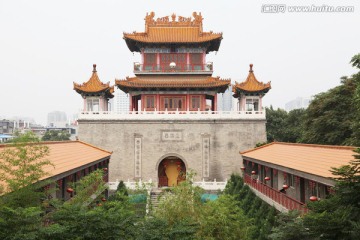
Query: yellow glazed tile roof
{"x":166,"y":30}
{"x":308,"y":158}
{"x":173,"y":35}
{"x":173,"y":82}
{"x":251,"y":84}
{"x":94,"y":85}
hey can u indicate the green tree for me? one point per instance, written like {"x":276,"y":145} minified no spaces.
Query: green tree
{"x":111,"y":220}
{"x":290,"y":226}
{"x":294,"y":125}
{"x":355,"y":141}
{"x":21,"y":168}
{"x":56,"y":135}
{"x":223,"y":219}
{"x":275,"y":124}
{"x":330,"y":115}
{"x":88,"y":187}
{"x":182,"y":203}
{"x":355,"y":61}
{"x":20,"y":223}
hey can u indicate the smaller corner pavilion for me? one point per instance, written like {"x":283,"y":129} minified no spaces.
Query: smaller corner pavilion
{"x":95,"y":93}
{"x":289,"y":175}
{"x":250,"y":92}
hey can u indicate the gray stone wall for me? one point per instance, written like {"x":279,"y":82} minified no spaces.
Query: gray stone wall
{"x":213,"y":142}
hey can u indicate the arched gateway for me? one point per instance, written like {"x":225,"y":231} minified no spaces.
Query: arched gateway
{"x":171,"y":171}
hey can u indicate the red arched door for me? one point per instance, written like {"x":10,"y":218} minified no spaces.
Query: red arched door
{"x":171,"y":172}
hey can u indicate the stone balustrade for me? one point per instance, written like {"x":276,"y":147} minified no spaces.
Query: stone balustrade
{"x":172,"y":115}
{"x":206,"y":185}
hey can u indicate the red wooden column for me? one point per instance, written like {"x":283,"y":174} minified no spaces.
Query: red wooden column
{"x":187,"y":102}
{"x":215,"y":102}
{"x":157,"y":102}
{"x":142,"y":57}
{"x":158,"y":60}
{"x":142,"y":102}
{"x":203,"y":107}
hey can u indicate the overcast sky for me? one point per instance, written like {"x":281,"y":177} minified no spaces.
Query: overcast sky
{"x":45,"y":46}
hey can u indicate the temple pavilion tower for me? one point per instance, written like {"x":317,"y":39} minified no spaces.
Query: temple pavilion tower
{"x":173,"y":124}
{"x":96,"y":94}
{"x":173,"y":74}
{"x":250,"y":93}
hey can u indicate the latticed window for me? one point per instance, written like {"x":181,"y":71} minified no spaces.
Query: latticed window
{"x":92,"y":104}
{"x":195,"y":102}
{"x":173,"y":103}
{"x":178,"y":58}
{"x":150,"y":61}
{"x":196,"y":61}
{"x":252,"y":104}
{"x":150,"y":102}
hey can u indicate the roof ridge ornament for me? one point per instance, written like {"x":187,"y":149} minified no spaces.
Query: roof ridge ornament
{"x":94,"y":68}
{"x":251,"y":67}
{"x":195,"y":20}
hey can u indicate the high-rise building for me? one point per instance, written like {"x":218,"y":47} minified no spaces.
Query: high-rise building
{"x":225,"y":100}
{"x":297,"y":103}
{"x":120,"y":103}
{"x":57,"y":119}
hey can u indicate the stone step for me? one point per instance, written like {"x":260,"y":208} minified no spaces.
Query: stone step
{"x":155,"y":196}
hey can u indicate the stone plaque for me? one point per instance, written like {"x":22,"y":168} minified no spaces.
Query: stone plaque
{"x":137,"y":159}
{"x":171,"y":136}
{"x":206,"y":156}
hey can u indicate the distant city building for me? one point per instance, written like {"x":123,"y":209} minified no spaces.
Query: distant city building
{"x":120,"y":103}
{"x":225,"y":100}
{"x":57,"y":119}
{"x":7,"y":126}
{"x":297,"y":103}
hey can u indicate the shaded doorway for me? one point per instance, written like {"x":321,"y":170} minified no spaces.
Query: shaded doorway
{"x":302,"y":190}
{"x":171,"y":172}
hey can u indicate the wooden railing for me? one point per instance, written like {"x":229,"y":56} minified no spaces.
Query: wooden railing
{"x":173,"y":68}
{"x":281,"y":198}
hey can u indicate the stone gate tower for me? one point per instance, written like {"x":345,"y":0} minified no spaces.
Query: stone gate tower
{"x":173,"y":124}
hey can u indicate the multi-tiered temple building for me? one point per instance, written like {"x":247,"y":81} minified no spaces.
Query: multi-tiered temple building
{"x":173,"y":124}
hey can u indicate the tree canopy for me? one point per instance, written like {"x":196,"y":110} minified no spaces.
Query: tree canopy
{"x":56,"y":135}
{"x":333,"y":117}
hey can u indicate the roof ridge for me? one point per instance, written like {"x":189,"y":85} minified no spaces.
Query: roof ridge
{"x":90,"y":145}
{"x":318,"y":145}
{"x":256,"y":148}
{"x":38,"y":143}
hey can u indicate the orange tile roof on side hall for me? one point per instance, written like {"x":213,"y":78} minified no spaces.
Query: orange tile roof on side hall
{"x":308,"y":158}
{"x":69,"y":155}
